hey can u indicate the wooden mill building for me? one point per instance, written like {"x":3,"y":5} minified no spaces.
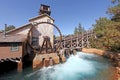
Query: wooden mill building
{"x":16,"y":44}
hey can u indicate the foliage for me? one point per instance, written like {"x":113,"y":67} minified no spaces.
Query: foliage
{"x":79,"y":29}
{"x":75,"y":30}
{"x":107,"y":31}
{"x":1,"y":31}
{"x":115,"y":11}
{"x":107,"y":35}
{"x":10,"y":27}
{"x":113,"y":1}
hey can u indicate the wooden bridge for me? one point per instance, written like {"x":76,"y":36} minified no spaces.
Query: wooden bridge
{"x":78,"y":41}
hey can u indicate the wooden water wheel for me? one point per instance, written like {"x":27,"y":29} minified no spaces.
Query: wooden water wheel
{"x":46,"y":45}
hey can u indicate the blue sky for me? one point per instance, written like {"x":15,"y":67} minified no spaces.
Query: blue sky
{"x":67,"y":13}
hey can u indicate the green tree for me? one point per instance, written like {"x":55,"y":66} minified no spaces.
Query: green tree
{"x":1,"y":31}
{"x":107,"y":31}
{"x":76,"y":30}
{"x":113,"y":1}
{"x":115,"y":11}
{"x":10,"y":27}
{"x":107,"y":34}
{"x":79,"y":29}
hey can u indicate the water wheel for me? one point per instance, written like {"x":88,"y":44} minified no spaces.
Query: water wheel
{"x":46,"y":46}
{"x":45,"y":53}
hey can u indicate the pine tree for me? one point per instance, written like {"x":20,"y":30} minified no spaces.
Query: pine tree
{"x":108,"y":30}
{"x":79,"y":29}
{"x":10,"y":27}
{"x":76,"y":30}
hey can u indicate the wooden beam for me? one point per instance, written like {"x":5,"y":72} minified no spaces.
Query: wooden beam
{"x":20,"y":65}
{"x":64,"y":43}
{"x":14,"y":60}
{"x":71,"y":42}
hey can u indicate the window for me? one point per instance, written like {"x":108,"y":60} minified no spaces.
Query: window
{"x":34,"y":41}
{"x":45,"y":8}
{"x":14,"y":47}
{"x":48,"y":20}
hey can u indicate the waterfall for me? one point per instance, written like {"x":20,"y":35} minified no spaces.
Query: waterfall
{"x":78,"y":67}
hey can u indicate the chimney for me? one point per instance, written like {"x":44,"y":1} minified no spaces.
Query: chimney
{"x":5,"y":30}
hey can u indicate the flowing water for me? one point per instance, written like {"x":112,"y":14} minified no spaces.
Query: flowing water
{"x":79,"y":67}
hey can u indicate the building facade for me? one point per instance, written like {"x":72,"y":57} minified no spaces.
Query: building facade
{"x":14,"y":44}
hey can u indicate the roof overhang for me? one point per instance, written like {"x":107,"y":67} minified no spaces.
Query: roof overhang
{"x":40,"y":16}
{"x":13,"y":38}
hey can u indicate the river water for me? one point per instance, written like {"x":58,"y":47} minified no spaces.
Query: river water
{"x":79,"y":67}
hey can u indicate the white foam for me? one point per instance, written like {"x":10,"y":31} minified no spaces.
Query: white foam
{"x":75,"y":68}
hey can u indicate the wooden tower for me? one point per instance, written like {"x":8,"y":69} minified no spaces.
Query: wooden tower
{"x":44,"y":9}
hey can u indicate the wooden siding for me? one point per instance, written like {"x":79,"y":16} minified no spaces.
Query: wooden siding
{"x":5,"y":51}
{"x":22,"y":30}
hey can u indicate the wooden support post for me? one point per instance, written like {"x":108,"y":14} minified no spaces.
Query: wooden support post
{"x":19,"y":67}
{"x":71,"y":42}
{"x":46,"y":48}
{"x":64,"y":43}
{"x":87,"y":40}
{"x":77,"y":40}
{"x":82,"y":40}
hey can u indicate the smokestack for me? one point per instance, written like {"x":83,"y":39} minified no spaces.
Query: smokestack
{"x":5,"y":30}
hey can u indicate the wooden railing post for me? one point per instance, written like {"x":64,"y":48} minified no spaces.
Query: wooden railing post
{"x":64,"y":43}
{"x":71,"y":41}
{"x":77,"y":40}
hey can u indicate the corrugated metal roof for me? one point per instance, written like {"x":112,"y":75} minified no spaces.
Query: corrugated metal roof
{"x":26,"y":25}
{"x":13,"y":38}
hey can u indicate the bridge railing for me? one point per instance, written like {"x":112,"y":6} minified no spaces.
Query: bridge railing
{"x":80,"y":40}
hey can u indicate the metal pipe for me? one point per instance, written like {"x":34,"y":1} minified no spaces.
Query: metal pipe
{"x":5,"y":30}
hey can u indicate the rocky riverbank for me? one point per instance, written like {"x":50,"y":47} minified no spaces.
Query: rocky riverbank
{"x":114,"y":57}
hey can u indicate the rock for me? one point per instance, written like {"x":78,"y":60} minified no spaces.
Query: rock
{"x":93,"y":50}
{"x":118,"y":63}
{"x":115,"y":57}
{"x":119,"y":55}
{"x":111,"y":55}
{"x":106,"y":55}
{"x":118,"y":70}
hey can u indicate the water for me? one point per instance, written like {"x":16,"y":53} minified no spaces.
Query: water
{"x":79,"y":67}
